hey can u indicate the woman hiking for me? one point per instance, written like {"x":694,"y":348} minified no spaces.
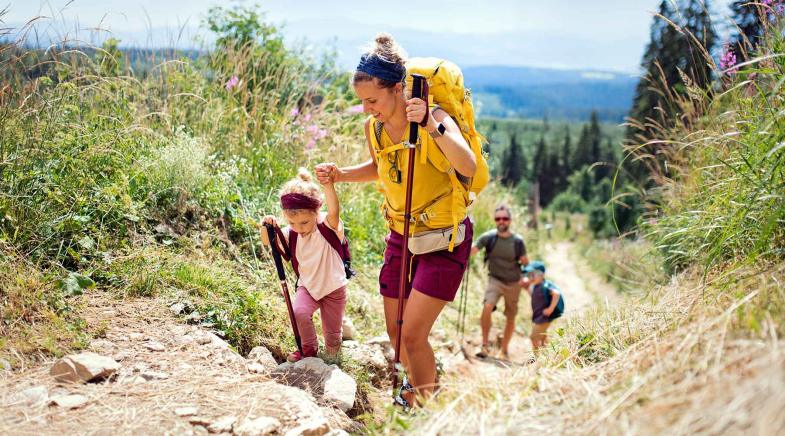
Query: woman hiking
{"x":434,"y":277}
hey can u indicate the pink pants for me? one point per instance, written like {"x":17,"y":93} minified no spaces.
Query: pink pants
{"x":332,"y":306}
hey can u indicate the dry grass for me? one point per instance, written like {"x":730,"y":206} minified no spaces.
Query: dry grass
{"x":681,"y":361}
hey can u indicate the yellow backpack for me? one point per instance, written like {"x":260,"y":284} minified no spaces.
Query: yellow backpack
{"x":446,"y":89}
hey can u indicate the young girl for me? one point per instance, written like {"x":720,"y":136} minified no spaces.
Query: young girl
{"x":322,"y":279}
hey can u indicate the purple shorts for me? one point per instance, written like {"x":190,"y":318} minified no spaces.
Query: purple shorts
{"x":436,"y":274}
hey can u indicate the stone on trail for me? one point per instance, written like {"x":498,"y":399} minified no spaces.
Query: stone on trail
{"x":326,"y":382}
{"x":32,"y":396}
{"x":258,"y":426}
{"x":311,"y":427}
{"x":186,"y":411}
{"x":223,"y":424}
{"x":264,"y":357}
{"x":348,"y":331}
{"x":72,"y":401}
{"x":83,"y":367}
{"x":154,"y":346}
{"x":154,"y":375}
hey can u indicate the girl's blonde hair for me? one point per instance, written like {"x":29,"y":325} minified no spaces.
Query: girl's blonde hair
{"x":302,"y":184}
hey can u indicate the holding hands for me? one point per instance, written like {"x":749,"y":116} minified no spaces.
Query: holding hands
{"x":326,"y":173}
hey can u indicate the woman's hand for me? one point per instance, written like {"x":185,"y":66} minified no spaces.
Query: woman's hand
{"x":417,"y":110}
{"x":326,"y":173}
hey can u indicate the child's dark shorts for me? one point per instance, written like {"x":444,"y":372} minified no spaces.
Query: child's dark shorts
{"x":436,"y":274}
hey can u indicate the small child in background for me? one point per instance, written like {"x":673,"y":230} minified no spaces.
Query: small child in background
{"x":322,"y":276}
{"x":547,"y":302}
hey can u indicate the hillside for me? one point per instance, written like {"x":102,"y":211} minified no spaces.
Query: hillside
{"x":556,"y":94}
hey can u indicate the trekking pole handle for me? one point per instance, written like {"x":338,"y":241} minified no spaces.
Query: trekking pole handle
{"x":417,"y":92}
{"x":274,"y":249}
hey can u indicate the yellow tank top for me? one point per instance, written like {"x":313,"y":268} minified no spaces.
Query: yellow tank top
{"x":435,"y":202}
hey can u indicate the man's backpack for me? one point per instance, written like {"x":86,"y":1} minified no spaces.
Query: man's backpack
{"x":519,"y":246}
{"x":547,"y":285}
{"x":290,"y":248}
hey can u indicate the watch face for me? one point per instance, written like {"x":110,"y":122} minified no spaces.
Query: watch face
{"x":441,"y":128}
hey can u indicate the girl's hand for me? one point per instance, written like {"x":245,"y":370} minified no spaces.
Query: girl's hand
{"x":417,"y":110}
{"x":326,"y":173}
{"x":269,"y":219}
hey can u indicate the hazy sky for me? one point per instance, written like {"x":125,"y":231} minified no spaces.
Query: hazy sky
{"x":600,"y":34}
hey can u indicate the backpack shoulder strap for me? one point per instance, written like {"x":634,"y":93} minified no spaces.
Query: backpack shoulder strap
{"x":377,"y":130}
{"x":332,"y":238}
{"x":293,"y":251}
{"x":491,"y":244}
{"x":518,"y":247}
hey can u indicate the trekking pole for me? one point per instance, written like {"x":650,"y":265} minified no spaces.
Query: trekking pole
{"x":417,"y":90}
{"x":271,"y":238}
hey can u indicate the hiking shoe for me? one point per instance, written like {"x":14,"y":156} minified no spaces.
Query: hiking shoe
{"x":484,"y":352}
{"x":296,"y":356}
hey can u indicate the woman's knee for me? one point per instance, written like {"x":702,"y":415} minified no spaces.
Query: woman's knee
{"x":414,"y":339}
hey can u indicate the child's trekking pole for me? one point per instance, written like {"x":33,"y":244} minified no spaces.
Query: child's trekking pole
{"x":271,"y":239}
{"x":418,"y":84}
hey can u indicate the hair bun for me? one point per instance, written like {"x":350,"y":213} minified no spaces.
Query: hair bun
{"x":304,"y":175}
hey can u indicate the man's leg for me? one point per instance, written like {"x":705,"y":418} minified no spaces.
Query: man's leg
{"x":512,"y":293}
{"x":485,"y":322}
{"x":492,"y":294}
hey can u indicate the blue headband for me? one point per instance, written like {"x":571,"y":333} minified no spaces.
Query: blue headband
{"x":376,"y":66}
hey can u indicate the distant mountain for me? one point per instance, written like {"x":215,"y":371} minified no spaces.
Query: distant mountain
{"x":526,"y":92}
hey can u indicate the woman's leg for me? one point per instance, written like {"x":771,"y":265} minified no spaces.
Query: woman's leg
{"x":304,"y":307}
{"x":390,"y":318}
{"x":418,"y":320}
{"x":332,"y":306}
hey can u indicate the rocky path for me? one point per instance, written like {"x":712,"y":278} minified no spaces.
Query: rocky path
{"x":171,"y":378}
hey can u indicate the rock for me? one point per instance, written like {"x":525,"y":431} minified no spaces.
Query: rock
{"x":136,"y":336}
{"x":72,"y":401}
{"x":186,"y":411}
{"x":202,"y":338}
{"x":367,"y":355}
{"x":83,"y":367}
{"x":383,"y":342}
{"x":337,"y":432}
{"x":257,"y":368}
{"x":312,"y":427}
{"x":177,"y":308}
{"x":5,"y":365}
{"x":135,"y":380}
{"x":340,"y":389}
{"x":347,"y":329}
{"x":326,"y":382}
{"x":223,"y":424}
{"x":154,"y":375}
{"x":123,"y":355}
{"x":258,"y":426}
{"x":263,"y":356}
{"x":200,"y":420}
{"x":32,"y":396}
{"x":102,"y":345}
{"x":154,"y":346}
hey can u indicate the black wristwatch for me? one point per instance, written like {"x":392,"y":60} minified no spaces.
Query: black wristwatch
{"x":438,"y":131}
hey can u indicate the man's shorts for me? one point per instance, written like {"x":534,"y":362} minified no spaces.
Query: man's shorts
{"x":436,"y":274}
{"x":510,"y":291}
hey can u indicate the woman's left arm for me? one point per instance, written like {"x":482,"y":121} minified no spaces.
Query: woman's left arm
{"x":451,"y":142}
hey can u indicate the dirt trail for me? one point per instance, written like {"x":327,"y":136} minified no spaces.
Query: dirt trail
{"x":191,"y":369}
{"x":582,"y":289}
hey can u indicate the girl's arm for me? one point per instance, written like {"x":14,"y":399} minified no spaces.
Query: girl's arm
{"x":333,"y":207}
{"x":452,"y":143}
